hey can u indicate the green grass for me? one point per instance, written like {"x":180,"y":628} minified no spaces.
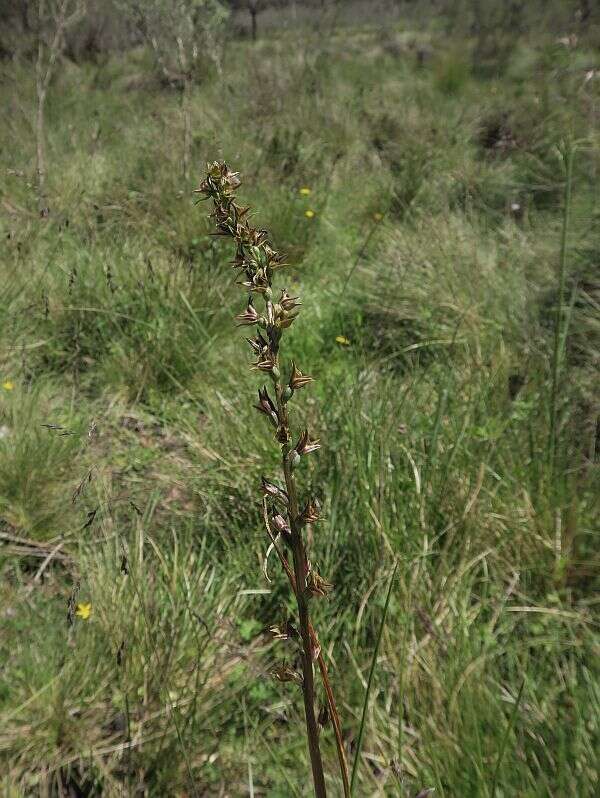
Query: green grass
{"x":116,"y":317}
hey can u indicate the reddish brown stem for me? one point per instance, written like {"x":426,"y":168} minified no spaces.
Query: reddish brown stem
{"x":300,"y":574}
{"x":333,"y":713}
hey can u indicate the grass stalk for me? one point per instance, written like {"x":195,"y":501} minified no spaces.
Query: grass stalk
{"x":361,"y":730}
{"x":504,"y":742}
{"x":567,"y":154}
{"x":301,"y":575}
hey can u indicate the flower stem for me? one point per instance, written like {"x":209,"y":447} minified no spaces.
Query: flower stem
{"x":335,"y":718}
{"x":300,"y":573}
{"x":256,"y":261}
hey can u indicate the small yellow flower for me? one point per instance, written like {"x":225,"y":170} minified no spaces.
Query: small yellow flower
{"x":309,"y":214}
{"x":342,"y":340}
{"x":83,"y":611}
{"x":378,"y":217}
{"x":8,"y":385}
{"x":305,"y":191}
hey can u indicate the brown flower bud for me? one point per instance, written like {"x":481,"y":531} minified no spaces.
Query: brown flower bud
{"x":298,"y":379}
{"x":249,"y":317}
{"x":268,"y":364}
{"x":283,"y":673}
{"x":259,"y":344}
{"x":283,"y":434}
{"x":310,"y":514}
{"x":284,"y":319}
{"x":280,"y":525}
{"x":274,"y":491}
{"x":287,"y":631}
{"x":220,"y":180}
{"x":323,"y":718}
{"x":316,"y":585}
{"x":288,"y":302}
{"x":265,"y":405}
{"x":257,"y":237}
{"x":256,"y":281}
{"x":230,"y":180}
{"x":305,"y":445}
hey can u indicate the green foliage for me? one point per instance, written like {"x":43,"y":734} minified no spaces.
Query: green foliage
{"x":428,"y":272}
{"x":178,"y":33}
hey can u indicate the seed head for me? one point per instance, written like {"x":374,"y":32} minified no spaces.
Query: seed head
{"x":257,"y":237}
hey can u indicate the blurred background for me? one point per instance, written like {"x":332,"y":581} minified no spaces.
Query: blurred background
{"x":430,"y":170}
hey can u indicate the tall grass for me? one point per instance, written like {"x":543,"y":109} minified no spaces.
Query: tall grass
{"x":434,"y":398}
{"x":567,"y":154}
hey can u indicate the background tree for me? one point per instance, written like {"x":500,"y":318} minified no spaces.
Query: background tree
{"x":54,"y":18}
{"x":254,"y":6}
{"x":178,"y":33}
{"x":14,"y":22}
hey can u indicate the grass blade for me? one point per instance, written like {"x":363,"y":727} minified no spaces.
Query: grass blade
{"x":370,"y":682}
{"x":504,"y":742}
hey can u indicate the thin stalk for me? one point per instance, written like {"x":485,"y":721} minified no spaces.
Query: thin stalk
{"x":567,"y":155}
{"x":39,"y":118}
{"x":300,"y":574}
{"x":504,"y":742}
{"x":403,"y":644}
{"x":186,"y":105}
{"x":186,"y":102}
{"x":335,"y":718}
{"x":334,"y":715}
{"x":370,"y":682}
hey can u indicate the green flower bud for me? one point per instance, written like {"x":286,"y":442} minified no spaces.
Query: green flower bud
{"x":294,"y":458}
{"x":287,"y":393}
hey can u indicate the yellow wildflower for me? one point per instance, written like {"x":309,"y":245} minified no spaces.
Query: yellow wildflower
{"x":309,"y":214}
{"x":378,"y":217}
{"x":305,"y":191}
{"x":342,"y":340}
{"x":83,"y":611}
{"x":8,"y":385}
